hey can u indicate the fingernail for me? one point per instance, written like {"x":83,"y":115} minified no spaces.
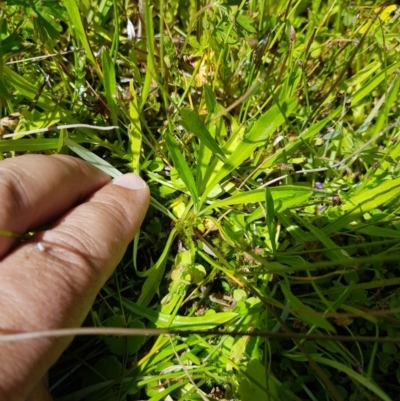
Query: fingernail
{"x":130,"y":181}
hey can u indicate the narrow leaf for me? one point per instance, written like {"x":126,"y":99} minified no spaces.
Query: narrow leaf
{"x":183,"y":169}
{"x":362,"y":203}
{"x":269,"y":207}
{"x":155,"y":274}
{"x":192,"y":123}
{"x":258,"y":136}
{"x":76,"y":20}
{"x":151,"y":70}
{"x":93,"y":159}
{"x":334,"y":253}
{"x":163,"y":320}
{"x":373,"y":83}
{"x":367,"y":383}
{"x":110,"y":85}
{"x":135,"y":131}
{"x":307,"y":318}
{"x":284,"y":197}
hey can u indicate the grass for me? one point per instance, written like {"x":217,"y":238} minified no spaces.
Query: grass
{"x":268,"y":132}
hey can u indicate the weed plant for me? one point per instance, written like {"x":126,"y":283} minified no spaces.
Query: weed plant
{"x":268,"y":132}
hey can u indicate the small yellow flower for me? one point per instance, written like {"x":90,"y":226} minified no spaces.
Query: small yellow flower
{"x":385,"y":15}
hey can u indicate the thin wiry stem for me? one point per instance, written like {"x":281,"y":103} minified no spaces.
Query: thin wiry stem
{"x":68,"y":126}
{"x":109,"y":331}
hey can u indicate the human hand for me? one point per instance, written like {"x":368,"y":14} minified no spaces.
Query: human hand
{"x":51,"y":280}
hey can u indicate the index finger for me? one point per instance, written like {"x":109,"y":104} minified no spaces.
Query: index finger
{"x":36,"y":189}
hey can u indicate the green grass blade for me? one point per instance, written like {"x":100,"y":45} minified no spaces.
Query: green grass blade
{"x":372,"y":84}
{"x":135,"y":131}
{"x":192,"y":122}
{"x":285,"y":197}
{"x":358,"y":205}
{"x":151,"y":70}
{"x":309,"y":319}
{"x":29,"y":90}
{"x":335,"y":253}
{"x":110,"y":86}
{"x":293,"y":229}
{"x":93,"y":159}
{"x":181,"y":165}
{"x":28,"y":145}
{"x":155,"y":274}
{"x":162,"y":320}
{"x":76,"y":20}
{"x":367,"y":383}
{"x":270,"y":209}
{"x":258,"y":136}
{"x":165,"y":393}
{"x":389,"y":101}
{"x":377,"y":232}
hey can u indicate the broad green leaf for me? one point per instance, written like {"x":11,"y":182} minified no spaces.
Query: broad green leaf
{"x":28,"y":145}
{"x":183,"y":169}
{"x":109,"y":367}
{"x":246,"y":23}
{"x":356,"y":206}
{"x":373,"y":83}
{"x":76,"y":20}
{"x":258,"y":136}
{"x":210,"y":99}
{"x":192,"y":122}
{"x":236,"y":137}
{"x":211,"y":165}
{"x":204,"y":157}
{"x":161,"y":320}
{"x":285,"y":197}
{"x":163,"y":394}
{"x":308,"y":316}
{"x":253,"y":386}
{"x":361,"y":76}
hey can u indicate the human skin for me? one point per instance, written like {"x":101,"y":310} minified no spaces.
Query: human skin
{"x":50,"y":281}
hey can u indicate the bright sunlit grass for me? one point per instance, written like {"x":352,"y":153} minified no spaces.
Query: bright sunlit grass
{"x":268,"y":132}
